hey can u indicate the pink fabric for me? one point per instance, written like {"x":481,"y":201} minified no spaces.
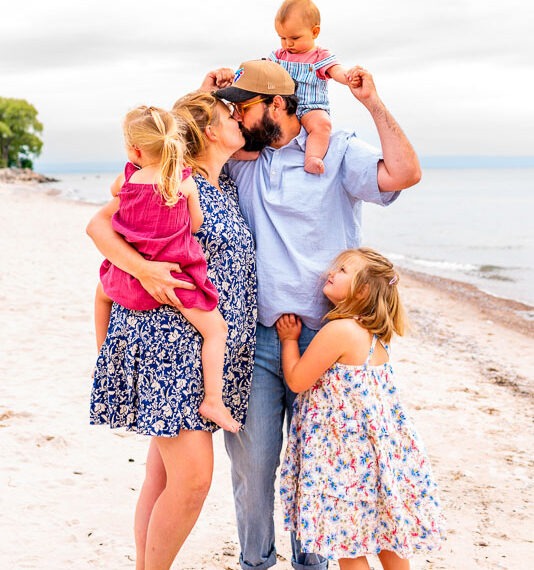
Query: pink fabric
{"x":159,"y":233}
{"x":313,"y":56}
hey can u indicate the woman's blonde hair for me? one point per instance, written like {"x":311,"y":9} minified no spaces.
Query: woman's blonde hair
{"x":373,"y":296}
{"x":157,"y":133}
{"x":195,"y":112}
{"x":306,"y":9}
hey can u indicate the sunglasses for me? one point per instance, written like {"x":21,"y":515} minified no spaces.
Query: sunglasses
{"x":240,"y":108}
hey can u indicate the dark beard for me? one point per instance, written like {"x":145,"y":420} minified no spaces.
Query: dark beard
{"x":262,"y":135}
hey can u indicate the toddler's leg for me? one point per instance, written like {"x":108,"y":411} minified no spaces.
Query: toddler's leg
{"x":102,"y":312}
{"x":213,"y":328}
{"x":390,"y":561}
{"x":317,"y":124}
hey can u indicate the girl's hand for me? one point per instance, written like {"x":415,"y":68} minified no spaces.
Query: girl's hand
{"x":288,"y":327}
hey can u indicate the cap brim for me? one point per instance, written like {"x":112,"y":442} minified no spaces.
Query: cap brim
{"x":234,"y":94}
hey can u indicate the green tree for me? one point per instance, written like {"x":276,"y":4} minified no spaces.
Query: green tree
{"x":19,"y":127}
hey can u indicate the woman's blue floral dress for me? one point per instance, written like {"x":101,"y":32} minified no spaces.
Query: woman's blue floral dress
{"x":148,"y":375}
{"x":356,"y":479}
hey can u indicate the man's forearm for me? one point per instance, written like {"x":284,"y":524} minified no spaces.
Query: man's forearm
{"x":400,"y":167}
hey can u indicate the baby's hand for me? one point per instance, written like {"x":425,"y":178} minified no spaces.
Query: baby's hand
{"x":288,"y":327}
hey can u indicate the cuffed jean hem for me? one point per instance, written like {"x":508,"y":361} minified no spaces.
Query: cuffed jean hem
{"x":319,"y":566}
{"x":271,"y":561}
{"x":306,"y":560}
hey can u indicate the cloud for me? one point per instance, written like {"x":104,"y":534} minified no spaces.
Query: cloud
{"x":448,"y":71}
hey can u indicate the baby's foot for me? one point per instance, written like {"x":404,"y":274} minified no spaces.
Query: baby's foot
{"x":314,"y":165}
{"x":220,"y":414}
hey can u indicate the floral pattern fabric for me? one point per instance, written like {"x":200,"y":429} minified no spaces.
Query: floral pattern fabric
{"x":356,"y":479}
{"x":148,"y":375}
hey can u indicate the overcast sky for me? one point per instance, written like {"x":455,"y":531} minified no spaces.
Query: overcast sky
{"x":457,"y":75}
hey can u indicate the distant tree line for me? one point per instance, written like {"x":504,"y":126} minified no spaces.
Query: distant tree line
{"x":19,"y":128}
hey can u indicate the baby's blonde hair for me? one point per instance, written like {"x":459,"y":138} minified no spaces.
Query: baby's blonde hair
{"x":157,"y":132}
{"x":307,"y":10}
{"x":196,"y":111}
{"x":373,"y":296}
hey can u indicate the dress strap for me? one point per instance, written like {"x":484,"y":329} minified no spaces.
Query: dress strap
{"x":371,"y":350}
{"x":129,"y":169}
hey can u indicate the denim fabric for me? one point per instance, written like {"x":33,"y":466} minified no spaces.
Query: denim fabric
{"x":255,"y":457}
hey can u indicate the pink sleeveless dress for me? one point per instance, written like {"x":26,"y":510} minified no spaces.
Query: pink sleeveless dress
{"x":159,"y":233}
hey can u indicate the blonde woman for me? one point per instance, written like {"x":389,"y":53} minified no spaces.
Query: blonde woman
{"x":148,"y":375}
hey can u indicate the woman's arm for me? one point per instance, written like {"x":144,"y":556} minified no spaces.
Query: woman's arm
{"x":302,"y":372}
{"x":154,"y":276}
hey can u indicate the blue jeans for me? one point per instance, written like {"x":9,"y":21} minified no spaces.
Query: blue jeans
{"x":255,"y":457}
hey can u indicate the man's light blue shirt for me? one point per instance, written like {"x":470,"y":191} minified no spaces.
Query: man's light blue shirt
{"x":302,"y":221}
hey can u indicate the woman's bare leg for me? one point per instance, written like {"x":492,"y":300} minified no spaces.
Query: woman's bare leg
{"x":188,"y":461}
{"x":212,"y":326}
{"x":153,"y":485}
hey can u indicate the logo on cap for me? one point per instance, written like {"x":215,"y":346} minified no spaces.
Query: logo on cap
{"x":238,"y":74}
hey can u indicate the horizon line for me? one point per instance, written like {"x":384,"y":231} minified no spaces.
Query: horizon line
{"x":428,"y":161}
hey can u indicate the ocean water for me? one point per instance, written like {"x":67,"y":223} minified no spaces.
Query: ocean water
{"x":471,"y":225}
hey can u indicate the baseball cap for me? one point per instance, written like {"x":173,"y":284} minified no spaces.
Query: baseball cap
{"x":257,"y":77}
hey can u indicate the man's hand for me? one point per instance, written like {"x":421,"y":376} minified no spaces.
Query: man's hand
{"x":156,"y":278}
{"x":288,"y":327}
{"x":361,"y":84}
{"x":218,"y":79}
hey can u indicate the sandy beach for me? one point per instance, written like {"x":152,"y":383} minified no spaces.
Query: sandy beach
{"x":68,"y":490}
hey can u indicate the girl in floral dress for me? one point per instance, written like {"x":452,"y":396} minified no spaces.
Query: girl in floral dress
{"x":356,"y":480}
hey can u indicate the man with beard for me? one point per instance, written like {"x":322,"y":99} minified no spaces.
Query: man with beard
{"x":300,"y":222}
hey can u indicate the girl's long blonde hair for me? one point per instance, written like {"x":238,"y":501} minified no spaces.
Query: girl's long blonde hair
{"x":195,"y":112}
{"x":373,"y":296}
{"x":157,"y":133}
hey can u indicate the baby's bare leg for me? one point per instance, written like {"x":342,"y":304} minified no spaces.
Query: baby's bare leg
{"x":213,"y":328}
{"x":102,"y":312}
{"x":317,"y":124}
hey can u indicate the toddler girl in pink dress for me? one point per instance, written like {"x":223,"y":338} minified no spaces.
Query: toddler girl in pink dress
{"x":158,"y":213}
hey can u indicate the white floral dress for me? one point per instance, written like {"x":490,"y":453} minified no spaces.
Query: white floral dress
{"x":356,"y":479}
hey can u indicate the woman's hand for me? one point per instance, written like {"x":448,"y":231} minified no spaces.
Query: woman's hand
{"x":156,"y":278}
{"x":288,"y":327}
{"x":218,"y":79}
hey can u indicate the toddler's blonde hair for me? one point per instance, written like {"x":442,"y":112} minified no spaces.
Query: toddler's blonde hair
{"x":307,"y":10}
{"x":157,"y":132}
{"x":373,"y":296}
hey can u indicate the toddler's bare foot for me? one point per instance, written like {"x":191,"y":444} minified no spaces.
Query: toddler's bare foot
{"x":314,"y":165}
{"x":217,"y":412}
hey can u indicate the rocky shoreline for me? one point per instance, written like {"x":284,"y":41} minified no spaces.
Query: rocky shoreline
{"x":21,"y":175}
